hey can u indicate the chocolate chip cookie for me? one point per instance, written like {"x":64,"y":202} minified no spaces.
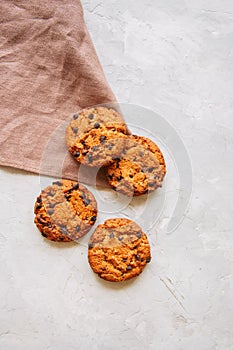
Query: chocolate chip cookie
{"x":99,"y":146}
{"x":140,"y":169}
{"x":118,"y":250}
{"x":65,"y":211}
{"x":91,"y":118}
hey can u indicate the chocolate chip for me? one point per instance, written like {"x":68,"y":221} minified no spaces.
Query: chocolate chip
{"x":129,"y":267}
{"x":144,"y":169}
{"x":114,"y":188}
{"x":110,"y":146}
{"x":75,"y":187}
{"x":138,"y":234}
{"x":51,"y":193}
{"x":124,"y":151}
{"x":50,"y":211}
{"x":63,"y":229}
{"x":151,"y":169}
{"x":96,"y":125}
{"x":110,"y":176}
{"x":155,"y":176}
{"x":61,"y":238}
{"x":138,"y":257}
{"x":58,"y":183}
{"x":124,"y":259}
{"x":119,"y":178}
{"x":39,"y":200}
{"x":86,"y":202}
{"x":91,"y":116}
{"x":83,"y":142}
{"x":44,"y":234}
{"x":103,"y":268}
{"x":75,"y":130}
{"x":135,"y":247}
{"x":131,"y":176}
{"x":151,"y":184}
{"x":111,"y":235}
{"x":77,"y":228}
{"x":95,"y":148}
{"x":91,"y":245}
{"x":75,"y":116}
{"x":148,"y":259}
{"x":68,"y":196}
{"x":93,"y":218}
{"x":102,"y":138}
{"x":90,"y":158}
{"x":52,"y":205}
{"x":39,"y":206}
{"x":140,"y":154}
{"x":120,"y":238}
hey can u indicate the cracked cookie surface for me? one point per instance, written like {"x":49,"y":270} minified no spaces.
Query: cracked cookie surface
{"x":100,"y":146}
{"x":65,"y":211}
{"x":140,"y":169}
{"x":118,"y":250}
{"x":91,"y":118}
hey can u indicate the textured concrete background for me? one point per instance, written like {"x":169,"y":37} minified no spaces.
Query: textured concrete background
{"x":175,"y":57}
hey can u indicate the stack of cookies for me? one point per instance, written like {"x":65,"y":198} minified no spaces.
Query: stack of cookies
{"x":98,"y":137}
{"x":67,"y":210}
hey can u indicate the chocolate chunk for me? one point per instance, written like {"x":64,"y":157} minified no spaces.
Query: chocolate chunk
{"x":75,"y":130}
{"x":151,"y":184}
{"x":51,"y":194}
{"x":39,"y":200}
{"x":75,"y":187}
{"x":124,"y":259}
{"x":75,"y":116}
{"x":140,"y":153}
{"x":39,"y":206}
{"x":138,"y":234}
{"x":124,"y":151}
{"x":52,"y":205}
{"x":93,"y":218}
{"x":58,"y":183}
{"x":96,"y":125}
{"x":103,"y":268}
{"x":61,"y":238}
{"x":43,"y":234}
{"x":77,"y":228}
{"x":102,"y":138}
{"x":110,"y":176}
{"x":129,"y":267}
{"x":111,"y":235}
{"x":120,"y":238}
{"x":63,"y":229}
{"x":114,"y":188}
{"x":143,"y":169}
{"x":76,"y":154}
{"x":91,"y":245}
{"x":135,"y":247}
{"x":148,"y":259}
{"x":90,"y":158}
{"x":155,"y":176}
{"x":50,"y":211}
{"x":86,"y":201}
{"x":119,"y":178}
{"x":138,"y":257}
{"x":151,"y":169}
{"x":91,"y":116}
{"x":131,"y":176}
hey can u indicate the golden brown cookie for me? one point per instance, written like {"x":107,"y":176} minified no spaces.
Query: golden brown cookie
{"x":140,"y":169}
{"x":65,"y":211}
{"x":91,"y":118}
{"x":99,"y":146}
{"x":118,"y":250}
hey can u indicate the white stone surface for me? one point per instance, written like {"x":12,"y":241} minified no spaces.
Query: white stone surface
{"x":175,"y":57}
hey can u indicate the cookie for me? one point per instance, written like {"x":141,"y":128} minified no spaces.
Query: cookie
{"x":140,"y":169}
{"x":91,"y":118}
{"x":100,"y":146}
{"x":65,"y":211}
{"x":118,"y":250}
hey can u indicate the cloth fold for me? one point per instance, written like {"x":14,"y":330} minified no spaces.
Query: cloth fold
{"x":49,"y":69}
